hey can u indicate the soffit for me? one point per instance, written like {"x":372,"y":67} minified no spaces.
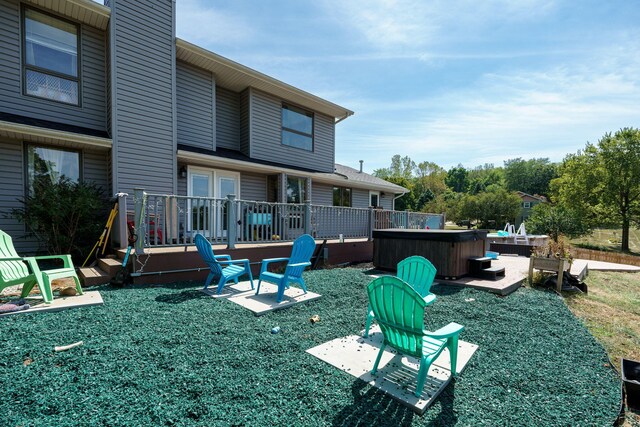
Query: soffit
{"x":40,"y":135}
{"x":85,"y":11}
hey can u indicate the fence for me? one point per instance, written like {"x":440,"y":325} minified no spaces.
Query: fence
{"x":170,"y":220}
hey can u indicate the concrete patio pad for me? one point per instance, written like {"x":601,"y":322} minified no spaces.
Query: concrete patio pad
{"x":87,"y":299}
{"x":265,"y":302}
{"x":396,"y":374}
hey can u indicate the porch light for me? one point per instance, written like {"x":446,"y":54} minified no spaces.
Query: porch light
{"x":183,"y":172}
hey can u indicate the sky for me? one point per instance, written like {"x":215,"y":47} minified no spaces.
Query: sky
{"x":450,"y":82}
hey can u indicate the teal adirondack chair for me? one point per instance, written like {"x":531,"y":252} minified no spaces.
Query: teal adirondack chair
{"x":399,"y":310}
{"x":215,"y":262}
{"x":16,"y":270}
{"x":419,"y":273}
{"x":300,"y":258}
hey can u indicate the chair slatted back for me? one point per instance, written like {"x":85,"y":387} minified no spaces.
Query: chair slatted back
{"x":10,"y":270}
{"x":399,"y":310}
{"x":418,"y":272}
{"x":206,"y":252}
{"x":302,"y":251}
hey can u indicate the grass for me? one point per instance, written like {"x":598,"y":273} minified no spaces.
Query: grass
{"x":169,"y":355}
{"x":609,"y":240}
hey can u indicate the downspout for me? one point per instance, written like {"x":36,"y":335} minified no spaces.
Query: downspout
{"x":393,"y":203}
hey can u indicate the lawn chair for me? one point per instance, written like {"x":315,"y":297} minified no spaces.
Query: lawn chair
{"x":215,"y":262}
{"x":301,"y":253}
{"x":418,"y":272}
{"x":399,"y":310}
{"x":14,"y":271}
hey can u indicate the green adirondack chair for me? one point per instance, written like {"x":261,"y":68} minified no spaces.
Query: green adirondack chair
{"x":399,"y":310}
{"x":419,"y":273}
{"x":16,"y":270}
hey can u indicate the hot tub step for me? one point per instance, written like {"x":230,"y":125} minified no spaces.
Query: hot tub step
{"x":491,"y":273}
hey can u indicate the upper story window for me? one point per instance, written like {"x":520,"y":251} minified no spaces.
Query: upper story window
{"x":342,"y":196}
{"x":526,"y":205}
{"x":297,"y":127}
{"x":51,"y":165}
{"x":50,"y":57}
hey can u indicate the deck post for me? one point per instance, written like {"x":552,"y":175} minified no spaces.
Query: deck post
{"x":121,"y":222}
{"x":372,"y":219}
{"x":406,"y":219}
{"x":138,"y":201}
{"x":232,"y":229}
{"x":307,"y":217}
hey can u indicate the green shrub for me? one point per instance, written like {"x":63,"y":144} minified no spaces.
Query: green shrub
{"x":65,"y":217}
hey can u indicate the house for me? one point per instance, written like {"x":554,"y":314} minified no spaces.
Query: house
{"x":528,"y":202}
{"x":107,"y":93}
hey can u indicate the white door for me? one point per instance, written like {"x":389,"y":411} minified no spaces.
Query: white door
{"x":200,"y":184}
{"x":226,"y":183}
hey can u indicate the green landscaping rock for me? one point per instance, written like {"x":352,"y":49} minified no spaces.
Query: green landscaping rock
{"x":171,"y":355}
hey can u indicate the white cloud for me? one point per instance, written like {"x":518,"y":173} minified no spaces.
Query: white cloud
{"x":206,"y":24}
{"x":501,"y":116}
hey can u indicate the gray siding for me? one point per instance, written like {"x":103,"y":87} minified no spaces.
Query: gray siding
{"x":91,"y":113}
{"x":12,"y":178}
{"x":253,"y":187}
{"x":245,"y":123}
{"x":386,"y":201}
{"x":143,"y":62}
{"x":227,"y":119}
{"x":182,"y":183}
{"x":359,"y":198}
{"x":195,"y":106}
{"x":266,"y":136}
{"x":321,"y":194}
{"x":95,"y":167}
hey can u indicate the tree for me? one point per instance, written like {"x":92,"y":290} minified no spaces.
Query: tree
{"x":457,"y":179}
{"x":530,"y":176}
{"x":603,"y":181}
{"x":481,"y":177}
{"x":557,"y":220}
{"x":491,"y":208}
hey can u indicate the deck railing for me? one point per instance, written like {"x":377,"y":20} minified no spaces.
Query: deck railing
{"x":170,"y":220}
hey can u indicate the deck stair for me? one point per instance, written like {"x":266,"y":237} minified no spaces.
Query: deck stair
{"x":481,"y":267}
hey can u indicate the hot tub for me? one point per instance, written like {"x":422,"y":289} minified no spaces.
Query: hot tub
{"x":448,"y":250}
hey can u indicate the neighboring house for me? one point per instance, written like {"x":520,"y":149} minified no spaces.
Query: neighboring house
{"x":528,"y":202}
{"x":107,"y":93}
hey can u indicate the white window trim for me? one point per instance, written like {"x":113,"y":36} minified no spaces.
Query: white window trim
{"x":526,"y":205}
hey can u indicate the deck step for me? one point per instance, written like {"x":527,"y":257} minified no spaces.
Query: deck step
{"x":491,"y":273}
{"x":90,"y":276}
{"x":110,"y":265}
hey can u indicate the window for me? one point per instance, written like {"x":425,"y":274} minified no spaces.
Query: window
{"x":526,"y":205}
{"x":341,"y":196}
{"x":296,"y":189}
{"x":51,"y":165}
{"x":50,"y":58}
{"x":374,"y":198}
{"x":297,"y":128}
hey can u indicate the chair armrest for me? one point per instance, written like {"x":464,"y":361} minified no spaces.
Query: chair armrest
{"x":233,"y":261}
{"x":299,"y":264}
{"x":226,"y":257}
{"x":66,"y":259}
{"x":450,"y":330}
{"x":269,"y":260}
{"x":430,"y":299}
